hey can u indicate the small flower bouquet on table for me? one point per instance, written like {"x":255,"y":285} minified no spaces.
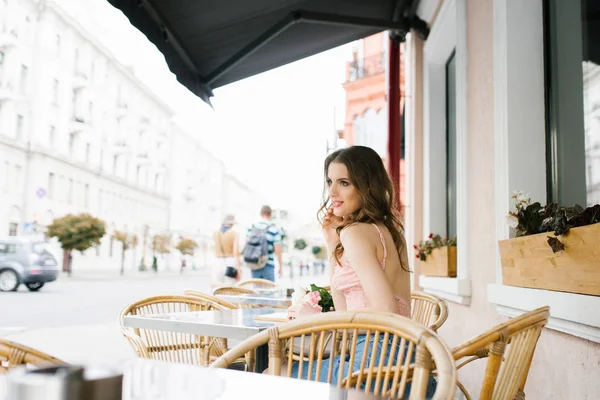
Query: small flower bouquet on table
{"x":308,"y":302}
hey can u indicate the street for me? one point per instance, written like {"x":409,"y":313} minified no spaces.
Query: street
{"x":76,"y":319}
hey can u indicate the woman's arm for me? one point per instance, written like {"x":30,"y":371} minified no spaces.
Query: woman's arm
{"x":361,"y":253}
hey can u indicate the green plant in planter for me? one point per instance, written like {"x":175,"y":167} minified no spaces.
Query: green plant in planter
{"x":425,"y":247}
{"x":533,"y":218}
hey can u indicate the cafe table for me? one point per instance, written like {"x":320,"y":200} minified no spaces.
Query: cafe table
{"x":157,"y":380}
{"x":237,"y":324}
{"x":278,"y":298}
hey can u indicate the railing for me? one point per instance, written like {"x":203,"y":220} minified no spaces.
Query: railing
{"x":366,"y":67}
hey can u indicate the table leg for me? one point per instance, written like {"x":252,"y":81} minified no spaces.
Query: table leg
{"x":262,"y":358}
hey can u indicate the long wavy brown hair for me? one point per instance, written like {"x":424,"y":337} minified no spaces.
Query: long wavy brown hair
{"x":368,"y":174}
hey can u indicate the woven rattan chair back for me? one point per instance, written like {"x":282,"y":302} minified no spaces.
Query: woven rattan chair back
{"x":428,"y":310}
{"x":509,"y":348}
{"x":234,"y":290}
{"x":257,"y":284}
{"x":418,"y":348}
{"x":170,"y":346}
{"x":14,"y":354}
{"x":214,"y":299}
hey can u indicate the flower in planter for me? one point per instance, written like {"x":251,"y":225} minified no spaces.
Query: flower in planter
{"x":425,"y":247}
{"x":532,"y":218}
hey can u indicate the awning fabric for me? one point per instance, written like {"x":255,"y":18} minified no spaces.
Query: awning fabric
{"x":210,"y":43}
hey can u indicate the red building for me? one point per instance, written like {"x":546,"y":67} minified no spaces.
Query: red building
{"x":366,"y":105}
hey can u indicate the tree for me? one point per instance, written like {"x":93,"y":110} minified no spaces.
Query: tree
{"x":76,"y":232}
{"x":318,"y":252}
{"x":161,"y":244}
{"x":127,"y":241}
{"x":186,"y":246}
{"x":300,"y":244}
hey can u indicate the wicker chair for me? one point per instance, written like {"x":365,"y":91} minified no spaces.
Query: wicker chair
{"x":169,"y":346}
{"x":419,"y":340}
{"x":512,"y":344}
{"x":428,"y":310}
{"x":14,"y":354}
{"x":257,"y":284}
{"x":232,"y":290}
{"x":195,"y":293}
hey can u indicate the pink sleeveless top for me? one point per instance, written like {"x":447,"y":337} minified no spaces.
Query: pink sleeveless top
{"x":346,"y":281}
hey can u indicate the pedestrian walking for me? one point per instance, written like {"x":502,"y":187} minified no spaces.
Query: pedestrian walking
{"x":227,"y":269}
{"x":263,"y":244}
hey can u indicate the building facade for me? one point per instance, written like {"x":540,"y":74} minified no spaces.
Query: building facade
{"x":366,"y":119}
{"x":502,"y":97}
{"x":80,"y":133}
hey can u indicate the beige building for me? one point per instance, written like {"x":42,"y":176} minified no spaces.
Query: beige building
{"x":503,"y":96}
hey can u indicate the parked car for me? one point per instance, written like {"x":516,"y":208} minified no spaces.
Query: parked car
{"x":27,"y":261}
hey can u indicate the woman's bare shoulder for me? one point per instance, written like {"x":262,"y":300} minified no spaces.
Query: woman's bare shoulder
{"x":357,"y":231}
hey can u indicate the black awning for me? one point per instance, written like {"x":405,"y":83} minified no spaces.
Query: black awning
{"x":210,"y":43}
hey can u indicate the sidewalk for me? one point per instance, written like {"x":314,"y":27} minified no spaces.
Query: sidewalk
{"x":96,"y":275}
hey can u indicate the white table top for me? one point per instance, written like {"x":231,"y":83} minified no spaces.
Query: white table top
{"x":231,"y":324}
{"x":270,"y":298}
{"x":157,"y":380}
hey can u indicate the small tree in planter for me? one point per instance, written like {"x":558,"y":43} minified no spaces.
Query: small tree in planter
{"x":161,"y":244}
{"x":554,"y":247}
{"x":127,"y":241}
{"x":76,"y":232}
{"x":437,"y":256}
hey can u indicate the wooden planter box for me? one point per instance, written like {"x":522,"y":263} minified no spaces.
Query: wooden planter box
{"x":441,"y":262}
{"x":529,"y":262}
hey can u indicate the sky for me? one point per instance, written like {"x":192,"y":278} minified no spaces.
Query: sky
{"x":270,"y":130}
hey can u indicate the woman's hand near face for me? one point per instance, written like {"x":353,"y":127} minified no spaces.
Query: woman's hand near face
{"x":329,"y":224}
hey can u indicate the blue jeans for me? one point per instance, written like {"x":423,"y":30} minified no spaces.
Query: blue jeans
{"x":268,"y":273}
{"x":345,"y":364}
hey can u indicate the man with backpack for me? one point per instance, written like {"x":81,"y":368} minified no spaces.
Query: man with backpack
{"x":263,"y":243}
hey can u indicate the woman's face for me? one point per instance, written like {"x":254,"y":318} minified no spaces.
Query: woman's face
{"x":343,"y":194}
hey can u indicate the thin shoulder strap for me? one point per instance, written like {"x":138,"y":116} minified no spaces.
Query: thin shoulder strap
{"x":383,"y":244}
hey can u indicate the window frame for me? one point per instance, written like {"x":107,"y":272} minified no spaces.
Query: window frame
{"x":448,"y":34}
{"x":520,"y":145}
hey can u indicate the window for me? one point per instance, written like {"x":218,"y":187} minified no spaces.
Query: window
{"x":572,"y":102}
{"x":137,"y":174}
{"x":90,"y":111}
{"x":6,"y":177}
{"x":9,"y":248}
{"x":12,"y":231}
{"x":50,"y":185}
{"x":115,"y":162}
{"x":17,"y":179}
{"x":19,"y":127}
{"x":87,"y":152}
{"x":70,"y":192}
{"x":57,"y":42}
{"x":86,"y":195}
{"x":451,"y":146}
{"x":101,"y":158}
{"x":71,"y":144}
{"x":23,"y":82}
{"x":52,"y":136}
{"x":55,"y":90}
{"x":445,"y":170}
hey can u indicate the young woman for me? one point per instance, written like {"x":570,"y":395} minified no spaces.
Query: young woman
{"x":368,"y":255}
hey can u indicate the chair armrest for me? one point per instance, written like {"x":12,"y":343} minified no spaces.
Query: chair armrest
{"x":140,"y":348}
